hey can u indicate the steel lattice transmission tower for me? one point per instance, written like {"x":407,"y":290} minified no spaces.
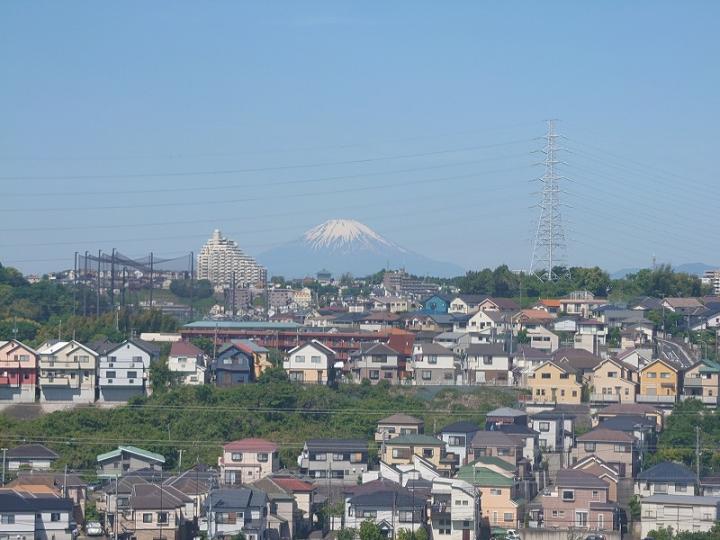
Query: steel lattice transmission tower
{"x":549,"y":245}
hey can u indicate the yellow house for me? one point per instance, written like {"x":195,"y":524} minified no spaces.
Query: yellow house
{"x":400,"y":450}
{"x":659,"y":381}
{"x":613,"y":381}
{"x":552,"y":383}
{"x":498,"y":489}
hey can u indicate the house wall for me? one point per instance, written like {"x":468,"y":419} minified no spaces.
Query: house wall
{"x":622,"y":461}
{"x":68,"y":375}
{"x":510,"y":454}
{"x":552,"y":388}
{"x":646,"y":489}
{"x":692,"y":518}
{"x":543,"y":339}
{"x":354,"y":516}
{"x":308,"y":365}
{"x":342,"y":469}
{"x":247,"y":469}
{"x":498,"y":506}
{"x":658,"y":379}
{"x":701,"y":384}
{"x":133,"y":462}
{"x":553,"y":505}
{"x":396,"y":454}
{"x":461,"y":451}
{"x":152,"y":530}
{"x":386,"y":432}
{"x":608,"y":379}
{"x":34,"y":464}
{"x":18,"y":368}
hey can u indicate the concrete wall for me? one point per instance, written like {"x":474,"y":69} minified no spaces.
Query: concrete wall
{"x":563,"y":534}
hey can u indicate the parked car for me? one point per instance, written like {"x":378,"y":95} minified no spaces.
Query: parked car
{"x":595,"y":537}
{"x":93,"y":528}
{"x":512,"y":534}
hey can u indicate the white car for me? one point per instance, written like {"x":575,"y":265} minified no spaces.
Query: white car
{"x":93,"y":528}
{"x":512,"y":534}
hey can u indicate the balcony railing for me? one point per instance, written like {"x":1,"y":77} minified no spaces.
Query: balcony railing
{"x":59,"y":381}
{"x":707,"y":400}
{"x":642,"y":398}
{"x":694,"y":382}
{"x":118,"y":381}
{"x":604,"y":398}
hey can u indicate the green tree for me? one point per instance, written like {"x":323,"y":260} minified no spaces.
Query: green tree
{"x":370,"y":531}
{"x":346,"y":534}
{"x":205,"y":344}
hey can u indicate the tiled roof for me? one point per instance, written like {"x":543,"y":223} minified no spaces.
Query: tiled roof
{"x":496,"y":461}
{"x":482,"y":476}
{"x":493,"y":438}
{"x":667,"y":471}
{"x":251,"y":445}
{"x":401,"y":419}
{"x":293,"y":484}
{"x":606,"y":435}
{"x":506,"y":411}
{"x":413,"y":439}
{"x":578,"y":479}
{"x":131,"y":450}
{"x":184,"y":348}
{"x":31,"y":451}
{"x":13,"y":501}
{"x":461,"y":427}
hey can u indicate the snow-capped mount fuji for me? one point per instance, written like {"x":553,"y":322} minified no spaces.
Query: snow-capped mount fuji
{"x":346,"y":245}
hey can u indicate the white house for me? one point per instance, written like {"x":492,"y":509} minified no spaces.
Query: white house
{"x":66,"y":372}
{"x":682,"y":513}
{"x":543,"y":339}
{"x":488,"y":321}
{"x":565,"y":324}
{"x":27,"y":516}
{"x":124,"y":371}
{"x":432,"y":364}
{"x":34,"y":457}
{"x":387,"y":504}
{"x":665,"y":478}
{"x":187,"y":361}
{"x":455,"y":513}
{"x":466,"y":303}
{"x":555,"y":430}
{"x":489,"y":364}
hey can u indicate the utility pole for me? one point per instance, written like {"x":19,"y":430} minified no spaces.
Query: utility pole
{"x":697,"y":455}
{"x":180,"y":459}
{"x":549,"y":237}
{"x":232,"y":295}
{"x":151,"y":279}
{"x":75,"y":284}
{"x":65,"y":483}
{"x":85,"y":286}
{"x":4,"y":451}
{"x":97,"y":286}
{"x":112,"y":279}
{"x":192,"y":284}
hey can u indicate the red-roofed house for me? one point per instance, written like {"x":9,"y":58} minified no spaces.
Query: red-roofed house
{"x":304,"y":492}
{"x":247,"y":460}
{"x":187,"y":361}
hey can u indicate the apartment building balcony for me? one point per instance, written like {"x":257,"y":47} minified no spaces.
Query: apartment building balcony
{"x":647,"y":398}
{"x":604,"y":398}
{"x":707,"y":400}
{"x":60,"y":364}
{"x":122,"y":381}
{"x":66,"y":382}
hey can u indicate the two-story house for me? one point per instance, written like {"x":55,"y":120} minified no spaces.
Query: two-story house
{"x":18,"y":368}
{"x":260,"y":355}
{"x":34,"y":457}
{"x":591,"y":335}
{"x":552,"y":382}
{"x":466,"y":303}
{"x":616,"y":448}
{"x":543,"y":339}
{"x":124,"y":370}
{"x":336,"y":459}
{"x":239,"y":510}
{"x":67,"y":372}
{"x":555,"y":429}
{"x":126,"y":459}
{"x":458,"y":437}
{"x":437,"y":303}
{"x":247,"y":460}
{"x":396,"y":425}
{"x":579,"y":500}
{"x":154,"y":510}
{"x":666,"y":478}
{"x":613,"y":381}
{"x":232,"y":366}
{"x":387,"y":504}
{"x":432,"y":364}
{"x":454,"y":509}
{"x":401,"y":450}
{"x":375,"y":362}
{"x":311,"y":363}
{"x":489,"y":364}
{"x":702,"y":381}
{"x":488,"y":322}
{"x":23,"y":515}
{"x":683,"y":513}
{"x":188,"y":362}
{"x":498,"y":488}
{"x":659,"y":382}
{"x":497,"y":444}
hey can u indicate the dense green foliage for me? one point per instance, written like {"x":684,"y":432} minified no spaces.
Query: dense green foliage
{"x":186,"y":288}
{"x":199,"y":419}
{"x":667,"y":533}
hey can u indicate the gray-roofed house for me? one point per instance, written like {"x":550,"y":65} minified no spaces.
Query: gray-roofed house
{"x":36,"y":457}
{"x":124,"y":370}
{"x":489,"y":363}
{"x":665,"y":478}
{"x":506,"y":415}
{"x":24,"y":515}
{"x":234,"y":365}
{"x":375,"y":362}
{"x":389,"y":505}
{"x":555,"y":430}
{"x":240,"y":510}
{"x":396,"y":425}
{"x":342,"y":460}
{"x":458,"y":437}
{"x":498,"y":444}
{"x":616,"y":448}
{"x":155,"y":511}
{"x":683,"y":513}
{"x":433,"y":364}
{"x":126,"y":459}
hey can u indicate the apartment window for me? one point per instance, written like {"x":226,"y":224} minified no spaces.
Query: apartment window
{"x":652,"y":375}
{"x":601,"y":521}
{"x":568,"y":495}
{"x":374,"y":374}
{"x":681,"y":488}
{"x":236,"y":456}
{"x":589,"y":446}
{"x":367,"y":513}
{"x":356,"y":457}
{"x":314,"y":359}
{"x":595,"y":494}
{"x":428,"y":452}
{"x":110,"y":374}
{"x":544,"y":426}
{"x":562,"y":392}
{"x":262,"y":457}
{"x":507,"y":516}
{"x":432,"y":359}
{"x":320,"y":457}
{"x":426,"y":375}
{"x":622,"y":448}
{"x":545,"y":376}
{"x":132,"y":374}
{"x":7,"y":519}
{"x":495,"y":491}
{"x":456,"y":441}
{"x":664,"y":375}
{"x":162,"y":518}
{"x":147,"y":517}
{"x":300,"y":359}
{"x":229,"y":518}
{"x":55,"y":516}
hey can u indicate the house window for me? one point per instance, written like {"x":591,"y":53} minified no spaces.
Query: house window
{"x":574,"y":393}
{"x":503,"y":452}
{"x":367,"y":513}
{"x":664,"y":375}
{"x":568,"y":495}
{"x":338,"y":457}
{"x":376,"y":359}
{"x":162,"y":518}
{"x":426,"y":375}
{"x":110,"y":374}
{"x":262,"y":457}
{"x":581,"y":519}
{"x":544,"y":426}
{"x":622,"y":448}
{"x":300,"y":359}
{"x":612,"y":374}
{"x":356,"y":457}
{"x":432,"y":359}
{"x":681,"y":488}
{"x":495,"y":491}
{"x":227,"y":361}
{"x":456,"y":441}
{"x":236,"y":456}
{"x":428,"y":452}
{"x":374,"y":374}
{"x":406,"y":516}
{"x":589,"y":446}
{"x":545,"y":376}
{"x":448,"y":375}
{"x":652,"y":375}
{"x":487,"y":360}
{"x":147,"y":517}
{"x":7,"y":519}
{"x":661,"y":488}
{"x":388,"y":374}
{"x":320,"y":457}
{"x":507,"y":516}
{"x":401,"y":453}
{"x":55,"y":516}
{"x":595,"y":494}
{"x":314,"y":359}
{"x":132,"y":374}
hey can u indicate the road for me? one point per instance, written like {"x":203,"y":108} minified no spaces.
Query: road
{"x":673,"y":352}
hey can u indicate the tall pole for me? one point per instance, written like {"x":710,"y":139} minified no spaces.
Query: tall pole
{"x":192,"y":284}
{"x":4,"y":450}
{"x":697,"y":455}
{"x":116,"y":518}
{"x":151,"y":280}
{"x":97,"y":286}
{"x":75,"y":283}
{"x":85,"y":286}
{"x":232,"y":295}
{"x":112,"y":279}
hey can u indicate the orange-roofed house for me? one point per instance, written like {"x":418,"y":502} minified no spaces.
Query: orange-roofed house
{"x":247,"y":460}
{"x":18,"y":368}
{"x":551,"y":305}
{"x":528,"y":319}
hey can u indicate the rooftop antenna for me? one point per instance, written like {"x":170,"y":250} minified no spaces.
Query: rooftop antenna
{"x":549,"y":237}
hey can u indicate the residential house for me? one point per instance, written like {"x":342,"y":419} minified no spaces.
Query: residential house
{"x":374,"y":362}
{"x":581,"y":303}
{"x":635,"y":357}
{"x":437,"y":303}
{"x":18,"y":372}
{"x":581,"y":360}
{"x":283,"y":518}
{"x":233,"y":365}
{"x":505,"y":416}
{"x":665,"y":478}
{"x":311,"y":363}
{"x":613,"y":381}
{"x":28,"y":516}
{"x":247,"y":460}
{"x":455,"y":509}
{"x":387,"y":504}
{"x":531,"y":319}
{"x":578,"y":500}
{"x":401,"y":450}
{"x":496,"y":444}
{"x":684,"y":306}
{"x":466,"y":303}
{"x":529,"y":438}
{"x":489,"y":364}
{"x":458,"y":437}
{"x":659,"y":382}
{"x":543,"y":339}
{"x":591,"y":335}
{"x":632,"y":409}
{"x":555,"y":430}
{"x":66,"y":372}
{"x":616,"y":448}
{"x":551,"y":305}
{"x":304,"y":495}
{"x":237,"y":510}
{"x":46,"y":483}
{"x":710,"y":486}
{"x":553,"y":382}
{"x":498,"y":304}
{"x":188,"y":362}
{"x":433,"y":364}
{"x":34,"y":457}
{"x":396,"y":425}
{"x":336,"y":459}
{"x":126,"y":459}
{"x":457,"y":342}
{"x":681,"y":512}
{"x":124,"y":370}
{"x":525,"y":360}
{"x":196,"y":483}
{"x":154,"y":510}
{"x":565,"y":324}
{"x":499,"y":492}
{"x":488,"y":322}
{"x":643,"y":429}
{"x":597,"y":467}
{"x":702,"y":381}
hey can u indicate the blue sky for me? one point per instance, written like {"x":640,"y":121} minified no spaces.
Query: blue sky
{"x":418,"y":118}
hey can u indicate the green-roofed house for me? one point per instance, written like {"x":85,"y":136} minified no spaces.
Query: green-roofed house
{"x":125,"y":459}
{"x":498,"y":489}
{"x":702,"y":381}
{"x":400,"y":451}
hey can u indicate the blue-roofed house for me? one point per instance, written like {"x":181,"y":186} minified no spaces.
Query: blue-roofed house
{"x":233,"y":365}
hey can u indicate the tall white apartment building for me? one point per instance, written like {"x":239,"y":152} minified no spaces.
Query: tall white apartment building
{"x":220,"y":257}
{"x":712,"y":277}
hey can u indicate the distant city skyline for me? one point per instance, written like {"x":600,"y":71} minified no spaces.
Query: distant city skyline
{"x":421,"y":122}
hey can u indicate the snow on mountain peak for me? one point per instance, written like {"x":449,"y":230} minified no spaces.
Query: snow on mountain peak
{"x":342,"y":233}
